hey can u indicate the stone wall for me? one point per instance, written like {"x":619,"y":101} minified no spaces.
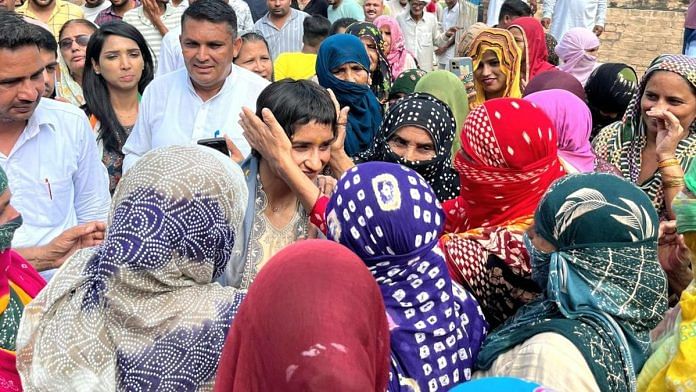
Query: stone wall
{"x":639,"y":30}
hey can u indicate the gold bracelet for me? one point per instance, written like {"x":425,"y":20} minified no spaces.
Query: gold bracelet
{"x":675,"y":183}
{"x":667,"y":163}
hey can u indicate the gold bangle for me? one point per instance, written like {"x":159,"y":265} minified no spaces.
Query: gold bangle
{"x":669,"y":176}
{"x":675,"y":183}
{"x":667,"y":163}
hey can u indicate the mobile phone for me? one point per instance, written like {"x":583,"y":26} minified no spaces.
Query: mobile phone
{"x":462,"y":66}
{"x":216,"y":143}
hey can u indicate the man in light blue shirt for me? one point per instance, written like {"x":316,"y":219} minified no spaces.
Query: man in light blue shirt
{"x":339,"y":9}
{"x":282,"y":27}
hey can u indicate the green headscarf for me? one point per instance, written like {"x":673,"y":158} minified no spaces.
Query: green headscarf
{"x":446,"y":87}
{"x":8,"y":229}
{"x":406,"y":82}
{"x":605,"y":289}
{"x":685,"y":208}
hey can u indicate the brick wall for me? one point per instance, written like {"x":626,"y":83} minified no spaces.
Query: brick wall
{"x":639,"y":30}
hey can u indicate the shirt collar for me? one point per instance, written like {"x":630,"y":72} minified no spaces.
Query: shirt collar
{"x":293,"y":15}
{"x":38,"y":122}
{"x":229,"y":82}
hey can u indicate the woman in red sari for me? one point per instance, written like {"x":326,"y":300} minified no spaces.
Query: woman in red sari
{"x":507,"y":161}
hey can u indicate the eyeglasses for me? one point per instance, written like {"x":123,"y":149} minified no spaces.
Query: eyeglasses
{"x":66,"y":43}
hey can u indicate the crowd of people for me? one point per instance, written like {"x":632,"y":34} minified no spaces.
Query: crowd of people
{"x":368,"y":219}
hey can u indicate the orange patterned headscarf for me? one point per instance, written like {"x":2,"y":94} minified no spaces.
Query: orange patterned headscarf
{"x":502,"y":43}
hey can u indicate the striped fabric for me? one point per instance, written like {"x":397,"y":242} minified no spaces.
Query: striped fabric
{"x":171,"y":18}
{"x":286,"y":39}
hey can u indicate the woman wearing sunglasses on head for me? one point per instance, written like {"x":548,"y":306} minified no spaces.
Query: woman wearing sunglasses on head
{"x":72,"y":41}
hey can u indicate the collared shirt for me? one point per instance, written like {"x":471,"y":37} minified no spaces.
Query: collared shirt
{"x":577,"y":13}
{"x":172,"y":113}
{"x":56,"y":174}
{"x":347,"y":9}
{"x":91,"y":13}
{"x":108,"y":15}
{"x":421,"y":37}
{"x":450,"y":17}
{"x":62,"y":12}
{"x":171,"y":18}
{"x":286,"y":39}
{"x":170,"y":56}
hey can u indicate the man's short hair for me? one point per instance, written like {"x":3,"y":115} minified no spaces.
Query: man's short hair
{"x":515,"y":9}
{"x":342,"y":23}
{"x":45,"y":39}
{"x":316,"y":29}
{"x":214,"y":11}
{"x":15,"y":32}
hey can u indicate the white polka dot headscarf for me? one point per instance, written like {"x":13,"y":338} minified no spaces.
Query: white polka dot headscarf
{"x":388,"y":215}
{"x":433,"y":116}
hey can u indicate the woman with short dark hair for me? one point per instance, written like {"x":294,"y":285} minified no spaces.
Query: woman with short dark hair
{"x":275,"y":214}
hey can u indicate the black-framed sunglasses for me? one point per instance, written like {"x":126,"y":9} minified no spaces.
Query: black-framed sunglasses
{"x":66,"y":43}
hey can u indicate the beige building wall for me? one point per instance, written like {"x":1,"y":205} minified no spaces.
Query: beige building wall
{"x":639,"y":30}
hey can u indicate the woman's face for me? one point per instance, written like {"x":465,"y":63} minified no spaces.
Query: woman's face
{"x":73,"y":45}
{"x":518,"y":34}
{"x":254,"y":56}
{"x":386,"y":37}
{"x":490,"y":76}
{"x":120,"y":63}
{"x":371,"y":49}
{"x":413,"y":144}
{"x":539,"y":242}
{"x":668,"y":91}
{"x":352,"y":72}
{"x":311,"y":147}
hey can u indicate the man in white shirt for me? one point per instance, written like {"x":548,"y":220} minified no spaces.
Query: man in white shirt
{"x":450,"y":17}
{"x":422,"y":33}
{"x":204,"y":99}
{"x":154,"y":19}
{"x":563,"y":15}
{"x":92,"y":8}
{"x":170,"y":57}
{"x":47,"y":149}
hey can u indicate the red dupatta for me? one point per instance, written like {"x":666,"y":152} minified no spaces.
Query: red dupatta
{"x":507,"y":161}
{"x":313,"y":320}
{"x":537,"y":52}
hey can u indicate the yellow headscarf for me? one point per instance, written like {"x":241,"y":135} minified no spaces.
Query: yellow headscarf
{"x":502,"y":43}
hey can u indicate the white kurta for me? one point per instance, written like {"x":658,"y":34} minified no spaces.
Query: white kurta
{"x":421,"y":37}
{"x":577,"y":13}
